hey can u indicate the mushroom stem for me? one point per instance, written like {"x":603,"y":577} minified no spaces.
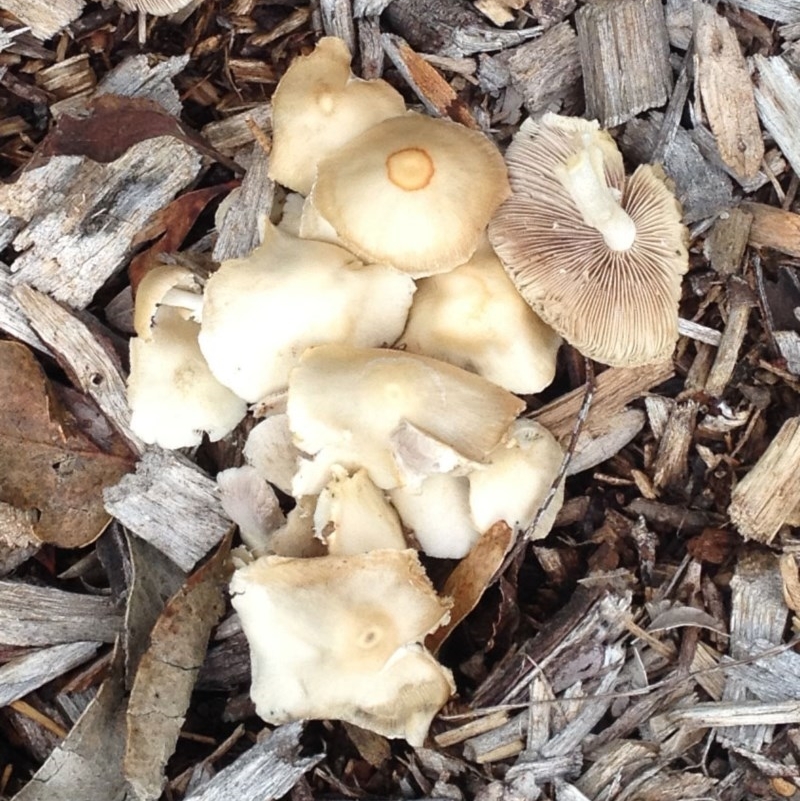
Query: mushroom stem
{"x":184,"y":299}
{"x":584,"y":178}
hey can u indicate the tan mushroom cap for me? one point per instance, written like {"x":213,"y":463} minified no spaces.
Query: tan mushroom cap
{"x":317,"y":107}
{"x":413,"y":191}
{"x":475,"y":318}
{"x":345,"y":404}
{"x":337,"y":637}
{"x":599,"y":257}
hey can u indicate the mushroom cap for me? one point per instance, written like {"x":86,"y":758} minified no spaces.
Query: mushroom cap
{"x":475,"y":318}
{"x":438,"y":514}
{"x":619,"y":307}
{"x":353,"y":516}
{"x":154,"y":288}
{"x":345,"y":403}
{"x":261,"y":312}
{"x":317,"y":107}
{"x":516,"y":479}
{"x":172,"y":393}
{"x":336,"y":637}
{"x":270,"y":450}
{"x":413,"y":191}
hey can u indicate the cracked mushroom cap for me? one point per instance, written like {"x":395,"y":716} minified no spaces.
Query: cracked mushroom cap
{"x":413,"y":191}
{"x":338,"y":638}
{"x":475,"y":318}
{"x":261,"y":312}
{"x":345,"y":404}
{"x":597,"y":255}
{"x":318,"y":106}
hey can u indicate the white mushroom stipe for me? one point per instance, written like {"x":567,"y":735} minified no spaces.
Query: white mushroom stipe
{"x":584,"y":178}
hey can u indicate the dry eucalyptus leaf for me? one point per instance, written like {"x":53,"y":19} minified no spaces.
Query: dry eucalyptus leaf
{"x":48,"y":467}
{"x":167,"y":673}
{"x":469,"y":580}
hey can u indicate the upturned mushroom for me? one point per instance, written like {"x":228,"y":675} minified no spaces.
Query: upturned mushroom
{"x":318,"y":106}
{"x":345,"y":403}
{"x":599,"y":257}
{"x":173,"y":396}
{"x":261,"y":312}
{"x":475,"y":318}
{"x":412,"y":191}
{"x":338,"y":638}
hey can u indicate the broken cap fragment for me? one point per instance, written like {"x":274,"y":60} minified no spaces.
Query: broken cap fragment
{"x":345,"y":403}
{"x":318,"y":106}
{"x":597,"y":255}
{"x":338,"y":638}
{"x":413,"y":191}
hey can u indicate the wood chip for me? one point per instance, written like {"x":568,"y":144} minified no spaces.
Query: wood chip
{"x":23,"y":675}
{"x":265,"y":772}
{"x":45,"y":18}
{"x":726,"y":91}
{"x":31,"y":615}
{"x":624,"y":52}
{"x":90,"y":362}
{"x":725,"y":245}
{"x":12,"y":319}
{"x":74,"y":769}
{"x":774,"y":228}
{"x":767,"y":495}
{"x":777,"y":93}
{"x":172,"y":504}
{"x":71,"y":255}
{"x":616,"y":388}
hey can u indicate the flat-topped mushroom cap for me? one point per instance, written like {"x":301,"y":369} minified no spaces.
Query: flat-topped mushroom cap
{"x":412,"y":191}
{"x":172,"y":394}
{"x":345,"y":403}
{"x":317,"y":107}
{"x":475,"y":318}
{"x":261,"y":312}
{"x":599,"y":257}
{"x":337,"y":637}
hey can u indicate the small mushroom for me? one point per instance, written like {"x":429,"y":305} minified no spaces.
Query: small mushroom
{"x":599,"y":257}
{"x":413,"y":191}
{"x":516,"y":479}
{"x":320,"y":105}
{"x":353,"y":516}
{"x":345,"y":403}
{"x":270,"y":450}
{"x":337,"y":637}
{"x":475,"y":318}
{"x":172,"y":393}
{"x":262,"y":312}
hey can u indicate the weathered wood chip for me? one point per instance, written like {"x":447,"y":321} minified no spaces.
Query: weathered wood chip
{"x":70,"y":254}
{"x":88,"y":763}
{"x":27,"y":673}
{"x":779,"y":10}
{"x":18,"y":540}
{"x":265,"y":772}
{"x":774,"y":228}
{"x":777,"y":93}
{"x":726,"y":91}
{"x":172,"y":504}
{"x":45,"y":18}
{"x":167,"y":673}
{"x":12,"y":319}
{"x":31,"y":615}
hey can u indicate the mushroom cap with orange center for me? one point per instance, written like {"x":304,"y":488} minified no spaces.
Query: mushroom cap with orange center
{"x":412,"y":191}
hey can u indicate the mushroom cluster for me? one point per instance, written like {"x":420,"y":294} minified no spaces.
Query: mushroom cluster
{"x":382,"y":340}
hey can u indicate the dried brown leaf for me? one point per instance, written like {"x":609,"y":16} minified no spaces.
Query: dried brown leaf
{"x":469,"y":580}
{"x":48,"y":467}
{"x":167,"y":673}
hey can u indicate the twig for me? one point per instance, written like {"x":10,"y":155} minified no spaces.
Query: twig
{"x":766,"y":312}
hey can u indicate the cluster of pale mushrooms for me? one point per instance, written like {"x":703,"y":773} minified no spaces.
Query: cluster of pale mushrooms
{"x":382,"y":340}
